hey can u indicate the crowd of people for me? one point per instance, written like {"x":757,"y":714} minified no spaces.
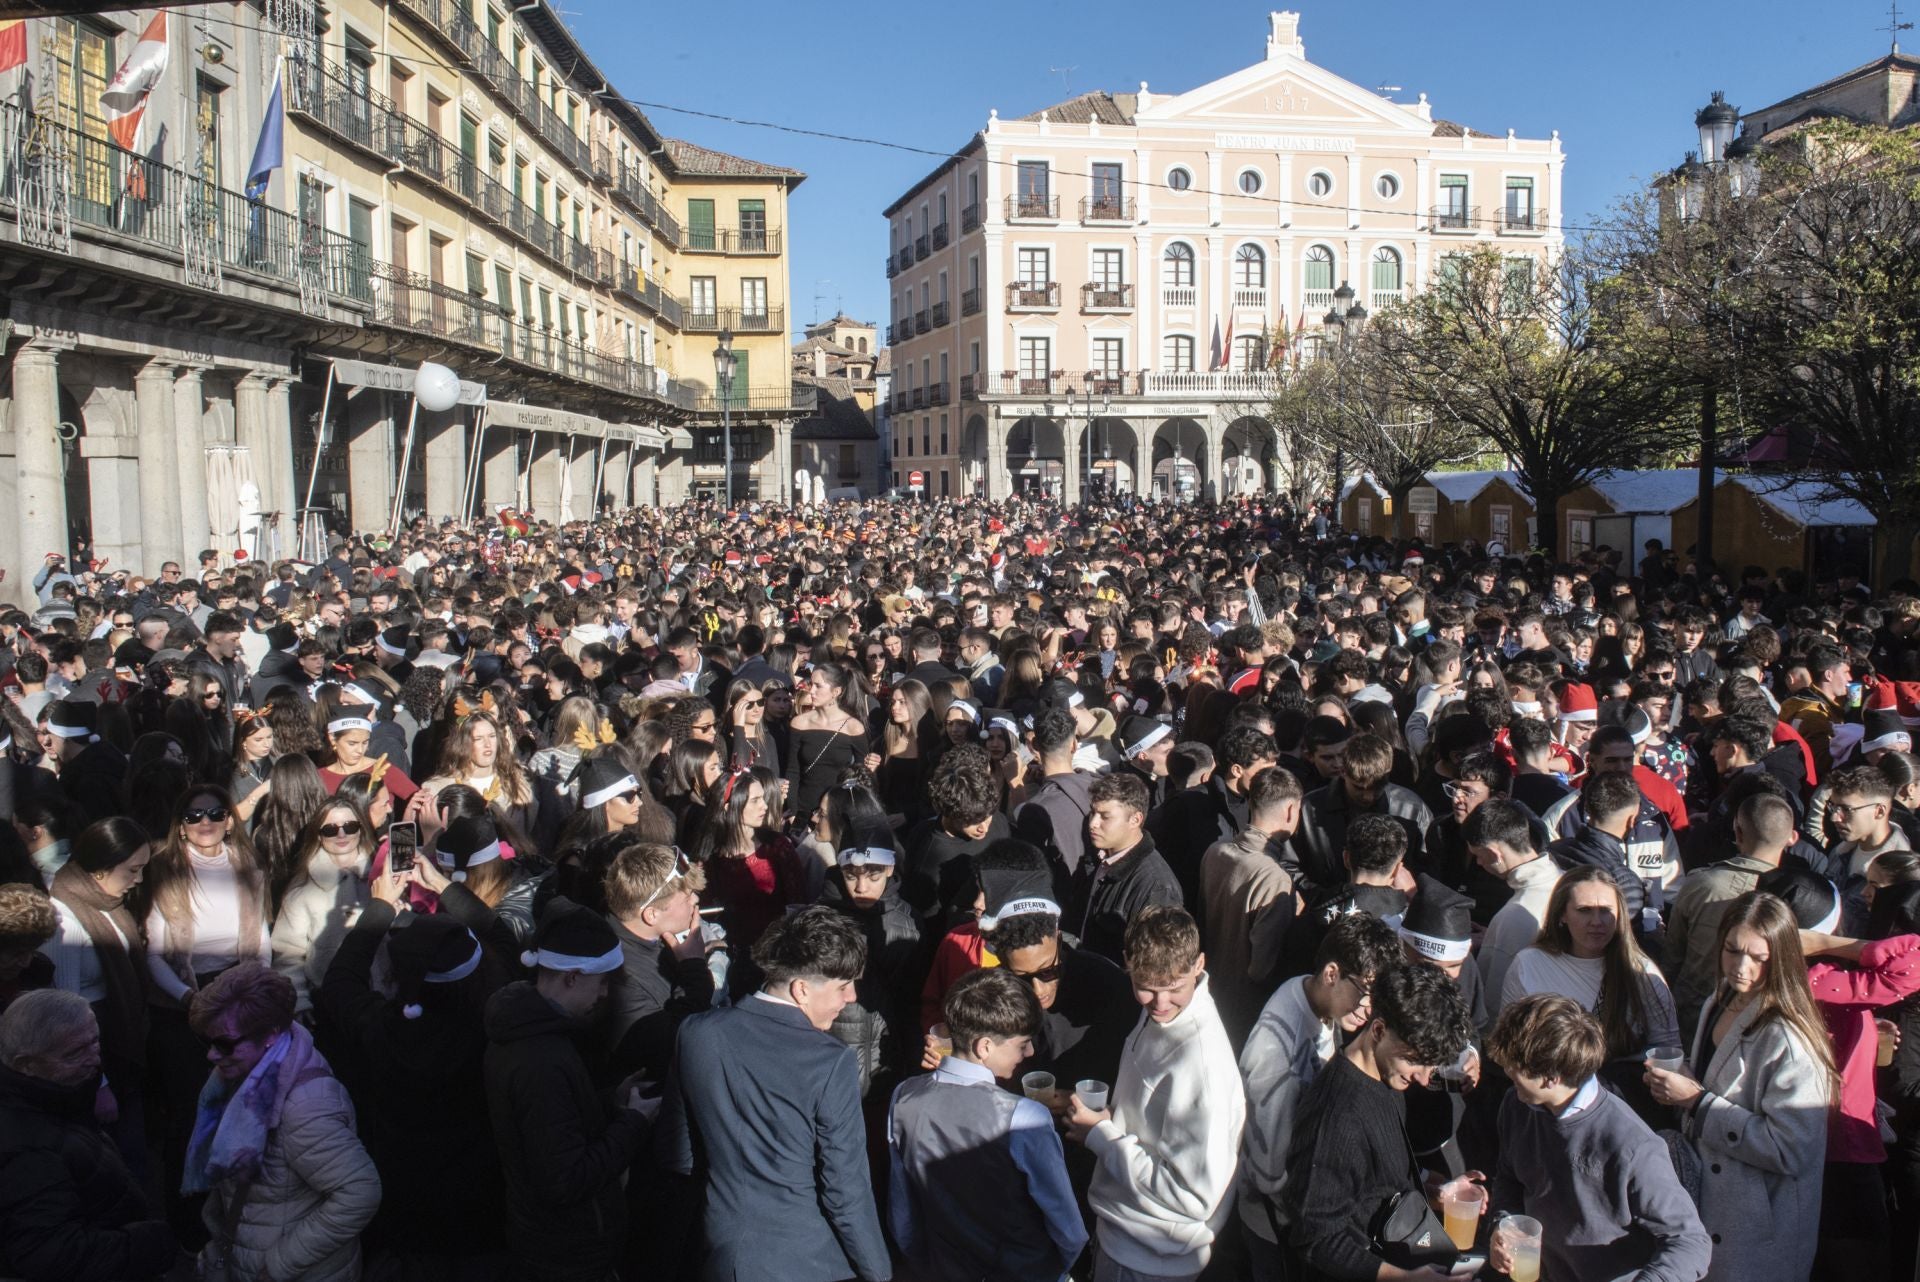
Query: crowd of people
{"x":958,"y":891}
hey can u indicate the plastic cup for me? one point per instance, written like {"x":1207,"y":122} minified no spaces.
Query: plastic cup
{"x":1460,"y":1208}
{"x":1521,"y":1233}
{"x":1038,"y":1087}
{"x":1092,"y":1093}
{"x":1670,"y":1058}
{"x":942,"y":1040}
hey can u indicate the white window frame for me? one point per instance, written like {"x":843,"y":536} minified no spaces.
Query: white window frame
{"x":1240,"y":178}
{"x":1182,"y":170}
{"x":1320,"y":195}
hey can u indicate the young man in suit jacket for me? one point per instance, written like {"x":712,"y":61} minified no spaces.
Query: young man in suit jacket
{"x":763,"y":1106}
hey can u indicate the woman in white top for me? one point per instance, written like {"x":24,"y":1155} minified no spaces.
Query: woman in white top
{"x":326,"y":895}
{"x":97,"y":952}
{"x":207,"y":894}
{"x":1585,"y":951}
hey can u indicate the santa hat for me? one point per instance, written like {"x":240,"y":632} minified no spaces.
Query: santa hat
{"x":467,"y":843}
{"x":1811,"y":898}
{"x":1577,"y":703}
{"x":1885,"y":729}
{"x":1438,"y":923}
{"x":75,"y":719}
{"x":1618,"y":712}
{"x":573,"y":938}
{"x":1016,"y":892}
{"x":430,"y":949}
{"x":601,"y":779}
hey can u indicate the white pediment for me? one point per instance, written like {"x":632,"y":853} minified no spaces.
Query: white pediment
{"x":1286,"y":94}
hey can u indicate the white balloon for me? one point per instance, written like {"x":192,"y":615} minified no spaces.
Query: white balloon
{"x":436,"y":387}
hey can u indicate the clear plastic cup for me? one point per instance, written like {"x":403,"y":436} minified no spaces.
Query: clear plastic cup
{"x":1092,"y":1093}
{"x":1038,"y":1087}
{"x":942,"y":1040}
{"x":1460,"y":1210}
{"x":1521,"y":1234}
{"x":1670,"y":1058}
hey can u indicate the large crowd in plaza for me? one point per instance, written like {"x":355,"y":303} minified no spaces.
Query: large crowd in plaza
{"x":958,"y":891}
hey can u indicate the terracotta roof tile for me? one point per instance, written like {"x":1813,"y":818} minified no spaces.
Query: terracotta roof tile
{"x":704,"y":162}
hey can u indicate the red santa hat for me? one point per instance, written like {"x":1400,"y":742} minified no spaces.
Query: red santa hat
{"x":1578,"y":704}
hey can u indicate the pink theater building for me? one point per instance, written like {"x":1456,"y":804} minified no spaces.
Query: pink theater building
{"x":1100,"y":296}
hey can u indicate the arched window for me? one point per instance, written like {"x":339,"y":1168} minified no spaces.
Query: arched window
{"x":1176,"y":266}
{"x":1176,"y":354}
{"x":1249,"y":352}
{"x":1249,"y":267}
{"x":1316,"y":281}
{"x":1387,"y":276}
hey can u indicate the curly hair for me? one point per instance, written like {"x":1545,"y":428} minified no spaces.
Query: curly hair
{"x":1422,"y":1006}
{"x":962,"y":788}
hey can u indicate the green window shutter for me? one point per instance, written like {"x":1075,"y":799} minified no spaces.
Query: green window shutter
{"x":503,"y":288}
{"x":469,"y":138}
{"x":546,"y":309}
{"x":737,"y":393}
{"x":699,"y":224}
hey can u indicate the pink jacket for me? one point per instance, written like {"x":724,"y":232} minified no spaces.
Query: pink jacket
{"x":1848,"y":997}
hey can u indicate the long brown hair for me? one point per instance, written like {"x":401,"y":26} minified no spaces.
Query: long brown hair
{"x":169,"y":878}
{"x":310,"y":835}
{"x":903,"y":741}
{"x":1785,"y":994}
{"x":1624,"y":1008}
{"x":456,"y":758}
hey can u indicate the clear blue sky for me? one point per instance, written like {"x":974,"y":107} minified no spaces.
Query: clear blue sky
{"x":1620,"y":81}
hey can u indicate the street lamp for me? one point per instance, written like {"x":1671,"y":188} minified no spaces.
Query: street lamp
{"x":1347,"y":316}
{"x":723,"y":379}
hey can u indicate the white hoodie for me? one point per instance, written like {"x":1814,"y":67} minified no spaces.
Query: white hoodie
{"x":1169,"y":1155}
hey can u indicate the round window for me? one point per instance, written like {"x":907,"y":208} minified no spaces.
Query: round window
{"x":1387,"y":185}
{"x":1319,"y":183}
{"x":1250,"y":181}
{"x":1179,"y":179}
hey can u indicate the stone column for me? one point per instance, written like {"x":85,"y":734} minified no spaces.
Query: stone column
{"x":996,"y":460}
{"x":160,"y":506}
{"x":1214,"y":487}
{"x":444,"y":452}
{"x":500,"y":472}
{"x":616,"y":477}
{"x":1143,"y":459}
{"x":113,"y":490}
{"x":582,"y":462}
{"x":646,"y":480}
{"x":783,"y":461}
{"x":370,"y":459}
{"x":190,"y":447}
{"x":288,"y":486}
{"x":547,"y":459}
{"x":40,"y":486}
{"x":1072,"y":434}
{"x":253,"y":431}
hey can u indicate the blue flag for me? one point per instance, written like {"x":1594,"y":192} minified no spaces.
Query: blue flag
{"x":269,"y":151}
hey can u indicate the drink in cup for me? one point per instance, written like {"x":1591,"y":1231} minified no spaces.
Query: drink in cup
{"x":1038,"y":1088}
{"x":1671,"y":1058}
{"x":1522,"y":1237}
{"x":942,"y":1040}
{"x":1461,"y":1205}
{"x":1092,"y":1093}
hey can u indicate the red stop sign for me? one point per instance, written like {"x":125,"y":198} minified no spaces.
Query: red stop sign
{"x":916,"y":480}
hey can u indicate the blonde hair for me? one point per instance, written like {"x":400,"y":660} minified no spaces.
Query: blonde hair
{"x":639,"y":875}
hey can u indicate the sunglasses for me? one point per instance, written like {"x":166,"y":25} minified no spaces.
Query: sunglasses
{"x":753,"y":703}
{"x":1048,"y":975}
{"x":631,"y":797}
{"x":209,"y":815}
{"x":351,"y":828}
{"x":225,"y":1045}
{"x":680,"y":866}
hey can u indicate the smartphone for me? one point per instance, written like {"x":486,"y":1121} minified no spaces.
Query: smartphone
{"x":1468,"y":1265}
{"x":403,"y":846}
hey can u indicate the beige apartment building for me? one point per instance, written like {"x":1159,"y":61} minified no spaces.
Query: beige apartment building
{"x":182,"y":366}
{"x":1101,"y":295}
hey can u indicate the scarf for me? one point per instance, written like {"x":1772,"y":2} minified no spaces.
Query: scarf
{"x":234,"y":1124}
{"x":123,"y":1031}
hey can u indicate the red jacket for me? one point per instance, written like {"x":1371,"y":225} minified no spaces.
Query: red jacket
{"x":1784,"y":733}
{"x":1848,"y":996}
{"x":1664,"y":796}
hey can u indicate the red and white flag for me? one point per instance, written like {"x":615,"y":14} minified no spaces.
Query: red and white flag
{"x":125,"y":99}
{"x":13,"y":43}
{"x":1226,"y":347}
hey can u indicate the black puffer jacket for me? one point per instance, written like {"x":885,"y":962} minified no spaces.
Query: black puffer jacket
{"x":879,"y":1023}
{"x":69,"y":1209}
{"x":562,"y":1148}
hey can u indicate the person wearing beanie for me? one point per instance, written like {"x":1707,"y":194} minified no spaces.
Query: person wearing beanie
{"x":92,"y":771}
{"x":879,"y":1023}
{"x":762,"y":1108}
{"x":421,"y":1089}
{"x":563,"y":1151}
{"x":279,"y":663}
{"x":392,"y":650}
{"x":1437,"y":930}
{"x":1579,"y":717}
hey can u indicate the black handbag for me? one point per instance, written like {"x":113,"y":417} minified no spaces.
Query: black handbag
{"x":1407,"y":1233}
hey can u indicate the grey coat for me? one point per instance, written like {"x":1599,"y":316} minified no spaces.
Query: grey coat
{"x":1761,"y":1131}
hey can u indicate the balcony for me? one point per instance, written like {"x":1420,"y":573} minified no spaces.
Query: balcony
{"x":900,"y":331}
{"x":644,"y":293}
{"x":1106,"y":298}
{"x":942,"y":235}
{"x":799,"y":400}
{"x":732,"y":240}
{"x":1024,"y":383}
{"x":1108,"y":382}
{"x":1381,"y":299}
{"x":921,"y":325}
{"x":1315,"y":303}
{"x":942,"y":313}
{"x":1179,"y":296}
{"x":937,"y":394}
{"x":893,"y":266}
{"x":1461,"y":219}
{"x":1106,"y":209}
{"x":1253,"y":383}
{"x":906,"y":257}
{"x":969,"y":219}
{"x":1523,"y":222}
{"x":966,"y":387}
{"x":116,"y":195}
{"x":712,"y":320}
{"x":1033,"y":296}
{"x":1250,"y":298}
{"x":923,"y":246}
{"x":970,"y":301}
{"x":631,"y":188}
{"x":917,"y":399}
{"x":1033,"y":208}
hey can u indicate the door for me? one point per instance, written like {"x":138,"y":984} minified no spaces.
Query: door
{"x":1104,"y":188}
{"x":753,"y":226}
{"x":700,"y":224}
{"x":737,"y":395}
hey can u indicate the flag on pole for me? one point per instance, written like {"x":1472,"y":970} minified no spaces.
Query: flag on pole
{"x":125,"y":99}
{"x":13,"y":43}
{"x":1213,"y":356}
{"x":1226,"y":347}
{"x":1282,"y":337}
{"x":269,"y":150}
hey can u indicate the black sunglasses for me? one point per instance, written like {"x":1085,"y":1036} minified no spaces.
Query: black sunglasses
{"x":225,"y":1045}
{"x":1049,"y":975}
{"x":212,"y":814}
{"x":631,"y":796}
{"x":351,"y":828}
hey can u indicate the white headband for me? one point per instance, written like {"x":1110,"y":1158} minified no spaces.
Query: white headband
{"x":1526,"y":707}
{"x":1007,"y":724}
{"x":398,"y":652}
{"x":1440,"y":950}
{"x":966,"y":709}
{"x":71,"y":732}
{"x":459,"y":972}
{"x":1020,"y":908}
{"x":1147,"y":740}
{"x":360,"y":695}
{"x":546,"y":959}
{"x":602,"y":796}
{"x":340,"y":725}
{"x":485,"y":855}
{"x":867,"y":855}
